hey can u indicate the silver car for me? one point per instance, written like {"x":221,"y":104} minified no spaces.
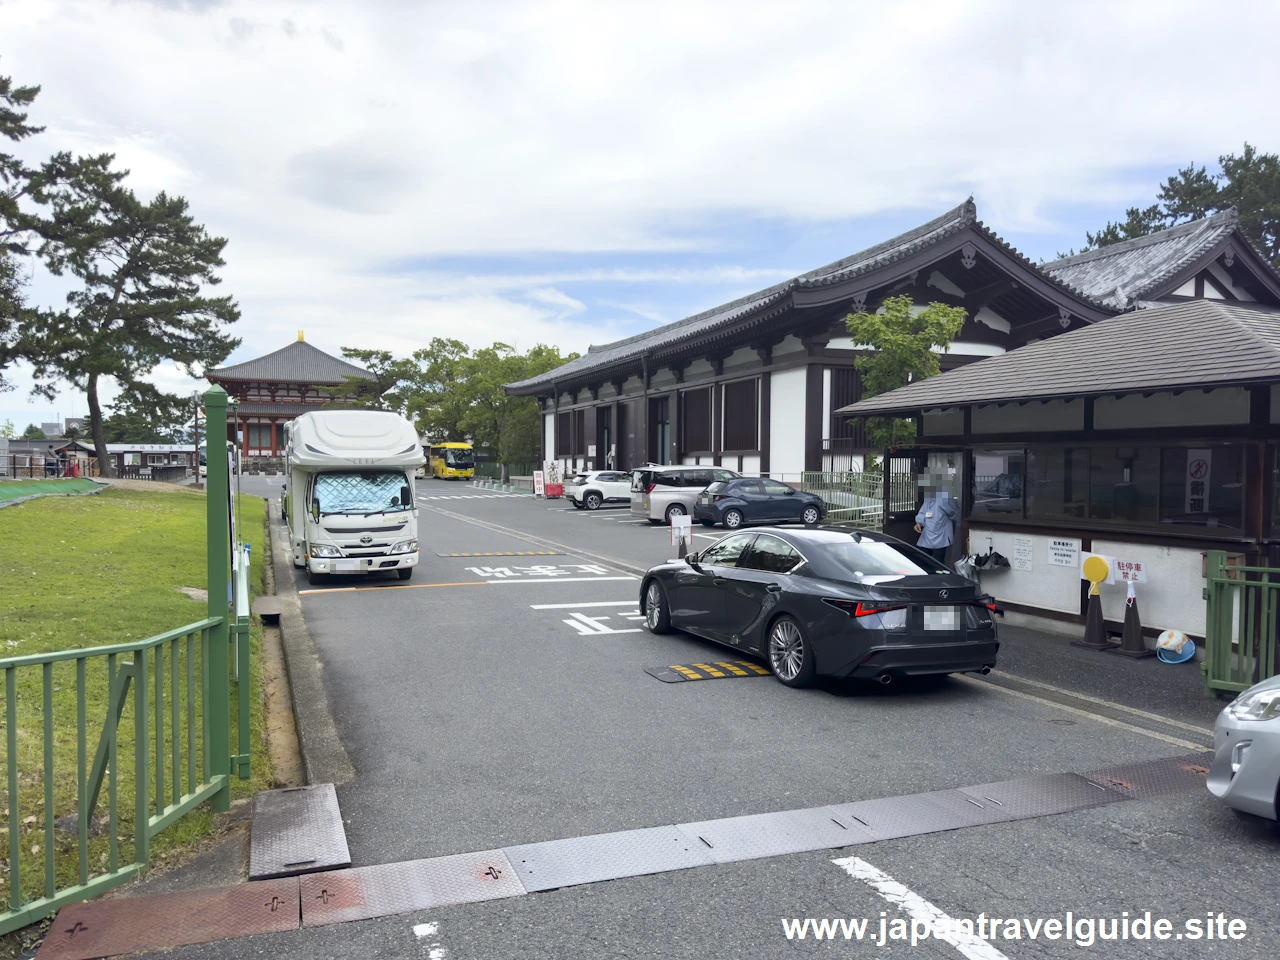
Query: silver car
{"x":1245,"y":773}
{"x":659,"y":493}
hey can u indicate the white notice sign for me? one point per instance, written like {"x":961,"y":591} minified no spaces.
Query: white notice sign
{"x":1133,"y":570}
{"x":1064,"y":552}
{"x":539,"y":483}
{"x":682,"y":529}
{"x":1022,"y":547}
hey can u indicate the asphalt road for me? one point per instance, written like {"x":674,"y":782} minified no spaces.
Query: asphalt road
{"x":503,"y":700}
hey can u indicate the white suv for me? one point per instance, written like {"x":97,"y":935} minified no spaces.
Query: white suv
{"x":589,"y":490}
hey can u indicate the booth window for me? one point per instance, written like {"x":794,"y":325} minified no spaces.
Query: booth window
{"x":997,"y":483}
{"x":1202,"y":487}
{"x":1124,"y":484}
{"x":1057,"y":482}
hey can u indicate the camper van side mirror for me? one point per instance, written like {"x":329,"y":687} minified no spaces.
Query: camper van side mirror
{"x":406,"y":497}
{"x":315,"y":509}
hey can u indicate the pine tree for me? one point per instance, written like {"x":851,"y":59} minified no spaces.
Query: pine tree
{"x":142,"y":267}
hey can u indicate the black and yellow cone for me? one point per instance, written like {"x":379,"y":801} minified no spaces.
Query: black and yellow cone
{"x":1095,"y":570}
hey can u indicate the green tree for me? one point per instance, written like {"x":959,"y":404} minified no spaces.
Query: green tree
{"x":15,"y":180}
{"x":7,"y":430}
{"x":510,"y":425}
{"x":148,"y":416}
{"x":436,"y":398}
{"x":142,"y":268}
{"x":904,"y":340}
{"x":1250,"y":182}
{"x":33,"y":433}
{"x":386,"y":390}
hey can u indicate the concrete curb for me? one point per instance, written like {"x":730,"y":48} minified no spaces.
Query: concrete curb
{"x":324,"y":760}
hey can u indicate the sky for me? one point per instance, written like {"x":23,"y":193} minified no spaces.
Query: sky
{"x":573,"y":172}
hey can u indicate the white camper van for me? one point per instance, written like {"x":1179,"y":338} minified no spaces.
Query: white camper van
{"x":349,"y":501}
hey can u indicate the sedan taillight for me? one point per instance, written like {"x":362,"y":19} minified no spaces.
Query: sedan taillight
{"x":862,"y":608}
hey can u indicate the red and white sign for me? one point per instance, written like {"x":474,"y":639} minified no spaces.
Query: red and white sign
{"x":1132,"y":571}
{"x":539,"y":484}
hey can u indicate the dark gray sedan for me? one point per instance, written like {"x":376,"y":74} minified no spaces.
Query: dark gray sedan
{"x":826,"y":601}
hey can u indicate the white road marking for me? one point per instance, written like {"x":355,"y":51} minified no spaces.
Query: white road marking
{"x":592,"y":626}
{"x":580,"y":606}
{"x":560,"y":579}
{"x":1107,"y":703}
{"x":918,"y":908}
{"x":430,"y":931}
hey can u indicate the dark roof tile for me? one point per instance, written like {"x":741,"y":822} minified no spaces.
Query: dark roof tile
{"x":299,"y":362}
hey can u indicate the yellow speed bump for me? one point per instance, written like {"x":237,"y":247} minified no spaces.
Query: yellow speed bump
{"x":715,"y":670}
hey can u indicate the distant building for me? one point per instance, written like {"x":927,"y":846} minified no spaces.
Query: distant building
{"x":51,"y":430}
{"x":278,"y":387}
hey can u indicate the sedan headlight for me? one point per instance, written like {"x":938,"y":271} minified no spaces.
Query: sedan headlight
{"x":1260,"y":705}
{"x":405,"y":546}
{"x":324,"y":550}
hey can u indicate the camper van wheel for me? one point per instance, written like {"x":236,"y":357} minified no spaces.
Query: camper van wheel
{"x":405,"y":573}
{"x":314,"y":578}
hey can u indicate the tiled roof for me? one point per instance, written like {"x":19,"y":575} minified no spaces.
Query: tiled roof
{"x":1184,"y":345}
{"x":299,"y":362}
{"x":1123,"y":273}
{"x":903,"y":245}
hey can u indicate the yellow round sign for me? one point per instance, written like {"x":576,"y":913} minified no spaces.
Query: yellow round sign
{"x":1095,"y":569}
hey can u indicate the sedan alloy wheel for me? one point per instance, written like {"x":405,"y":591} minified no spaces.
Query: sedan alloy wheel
{"x":733,"y":519}
{"x":789,"y":655}
{"x":656,"y":615}
{"x":593,"y":501}
{"x":811,"y":515}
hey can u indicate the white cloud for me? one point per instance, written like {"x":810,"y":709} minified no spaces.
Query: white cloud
{"x":330,"y":141}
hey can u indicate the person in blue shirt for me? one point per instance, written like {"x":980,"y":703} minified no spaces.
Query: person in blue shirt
{"x":936,"y":520}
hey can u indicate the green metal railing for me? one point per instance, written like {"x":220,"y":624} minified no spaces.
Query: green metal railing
{"x":1242,"y":610}
{"x":164,"y":704}
{"x":856,"y":497}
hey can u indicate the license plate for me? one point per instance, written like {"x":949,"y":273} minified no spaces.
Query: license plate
{"x":348,"y":565}
{"x":941,"y":618}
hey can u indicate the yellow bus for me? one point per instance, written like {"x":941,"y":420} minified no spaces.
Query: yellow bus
{"x":450,"y":461}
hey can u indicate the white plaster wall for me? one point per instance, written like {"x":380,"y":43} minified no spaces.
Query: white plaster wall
{"x":1035,"y":416}
{"x":690,"y":461}
{"x":1224,"y":278}
{"x":607,"y":391}
{"x":663,"y":378}
{"x":1046,"y":586}
{"x":1191,"y":408}
{"x":633,"y":385}
{"x":943,"y":423}
{"x":751,"y":465}
{"x":1171,"y":599}
{"x":786,"y":421}
{"x":969,"y":348}
{"x":699,"y":368}
{"x":790,"y":344}
{"x":741,"y":357}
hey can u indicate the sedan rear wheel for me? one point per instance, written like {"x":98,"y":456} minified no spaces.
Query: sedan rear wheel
{"x":789,"y":654}
{"x":733,"y":519}
{"x":656,"y":614}
{"x":811,"y":515}
{"x":593,"y":501}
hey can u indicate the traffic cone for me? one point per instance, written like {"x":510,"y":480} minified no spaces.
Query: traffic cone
{"x":1131,"y":644}
{"x":1095,"y":631}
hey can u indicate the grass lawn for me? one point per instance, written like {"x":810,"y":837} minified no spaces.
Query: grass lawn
{"x":91,"y":571}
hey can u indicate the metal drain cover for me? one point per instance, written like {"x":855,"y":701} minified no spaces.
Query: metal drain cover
{"x":1156,"y":778}
{"x":1042,"y":796}
{"x":773,"y":834}
{"x":605,"y":856}
{"x":105,"y":928}
{"x":296,"y":830}
{"x":392,"y":888}
{"x":890,"y":817}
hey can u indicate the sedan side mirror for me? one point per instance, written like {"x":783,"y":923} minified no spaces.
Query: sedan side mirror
{"x":791,"y":491}
{"x":692,"y":560}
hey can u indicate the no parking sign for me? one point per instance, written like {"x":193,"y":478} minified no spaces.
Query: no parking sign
{"x":682,"y":531}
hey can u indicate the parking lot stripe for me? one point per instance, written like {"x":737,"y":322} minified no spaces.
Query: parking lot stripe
{"x":1083,"y":713}
{"x":505,"y":553}
{"x":919,"y":909}
{"x":400,"y":586}
{"x":579,"y":606}
{"x":559,"y":579}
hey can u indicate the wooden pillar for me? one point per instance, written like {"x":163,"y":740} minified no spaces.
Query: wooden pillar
{"x":813,"y":414}
{"x":765,"y":402}
{"x":717,"y":407}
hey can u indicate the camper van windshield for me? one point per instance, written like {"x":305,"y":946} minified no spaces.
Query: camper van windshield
{"x":365,"y":492}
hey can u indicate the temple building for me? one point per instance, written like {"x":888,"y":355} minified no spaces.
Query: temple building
{"x":280,"y":386}
{"x":756,"y":384}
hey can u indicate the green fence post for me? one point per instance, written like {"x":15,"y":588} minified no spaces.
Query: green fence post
{"x":1216,"y":619}
{"x":218,"y":706}
{"x":141,"y":760}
